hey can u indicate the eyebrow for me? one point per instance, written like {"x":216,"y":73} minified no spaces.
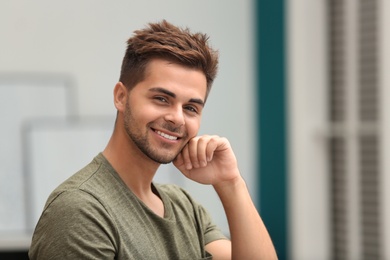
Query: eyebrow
{"x":173,"y":95}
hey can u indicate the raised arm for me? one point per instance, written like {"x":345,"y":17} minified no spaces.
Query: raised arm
{"x":210,"y":160}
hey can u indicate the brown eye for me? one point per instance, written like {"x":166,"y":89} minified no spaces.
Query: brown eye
{"x":161,"y":99}
{"x":191,"y":109}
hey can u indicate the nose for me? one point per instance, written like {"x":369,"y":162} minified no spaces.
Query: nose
{"x":175,"y":115}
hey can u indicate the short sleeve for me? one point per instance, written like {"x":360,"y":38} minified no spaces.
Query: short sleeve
{"x":74,"y":226}
{"x":211,"y":231}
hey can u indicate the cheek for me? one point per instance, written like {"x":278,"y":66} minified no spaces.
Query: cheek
{"x":193,"y":127}
{"x":145,"y":113}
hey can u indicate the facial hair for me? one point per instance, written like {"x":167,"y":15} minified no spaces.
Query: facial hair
{"x":140,"y":138}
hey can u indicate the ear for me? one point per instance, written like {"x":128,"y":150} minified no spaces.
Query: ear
{"x":120,"y":96}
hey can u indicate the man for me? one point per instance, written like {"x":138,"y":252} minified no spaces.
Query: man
{"x":111,"y":209}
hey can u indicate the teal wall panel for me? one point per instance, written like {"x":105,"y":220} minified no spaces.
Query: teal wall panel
{"x":272,"y":120}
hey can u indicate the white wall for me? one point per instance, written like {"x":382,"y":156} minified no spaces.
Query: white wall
{"x":85,"y":40}
{"x":307,"y":82}
{"x":310,"y":222}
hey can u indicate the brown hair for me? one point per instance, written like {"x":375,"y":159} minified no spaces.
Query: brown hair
{"x":166,"y":41}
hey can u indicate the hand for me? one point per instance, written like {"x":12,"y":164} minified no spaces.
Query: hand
{"x":208,"y":160}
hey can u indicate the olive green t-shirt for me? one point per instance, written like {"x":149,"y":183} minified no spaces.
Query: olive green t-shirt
{"x":94,"y":215}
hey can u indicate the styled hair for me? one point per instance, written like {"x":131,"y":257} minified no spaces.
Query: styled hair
{"x":166,"y":41}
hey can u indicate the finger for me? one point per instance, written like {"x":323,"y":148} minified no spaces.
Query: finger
{"x":211,"y":147}
{"x":193,"y":151}
{"x":186,"y":157}
{"x":201,"y":150}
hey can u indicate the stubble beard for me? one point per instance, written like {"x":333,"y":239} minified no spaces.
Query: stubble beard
{"x":141,"y":141}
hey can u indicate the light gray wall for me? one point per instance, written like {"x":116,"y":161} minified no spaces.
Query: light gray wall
{"x":85,"y":40}
{"x":307,"y":112}
{"x":309,"y":130}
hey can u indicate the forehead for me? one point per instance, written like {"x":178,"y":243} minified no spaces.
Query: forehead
{"x":175,"y":77}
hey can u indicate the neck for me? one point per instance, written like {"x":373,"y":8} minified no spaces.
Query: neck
{"x":135,"y":168}
{"x":136,"y":171}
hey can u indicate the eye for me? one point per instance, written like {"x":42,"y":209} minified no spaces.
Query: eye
{"x":161,"y":99}
{"x":191,"y":109}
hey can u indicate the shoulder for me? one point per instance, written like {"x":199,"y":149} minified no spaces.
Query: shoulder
{"x":81,"y":219}
{"x":180,"y":198}
{"x":73,"y":208}
{"x":174,"y":192}
{"x":169,"y":188}
{"x":79,"y":201}
{"x":96,"y":183}
{"x":77,"y":180}
{"x":70,"y":200}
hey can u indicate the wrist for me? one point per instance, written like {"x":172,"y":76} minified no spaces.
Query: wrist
{"x":230,"y":186}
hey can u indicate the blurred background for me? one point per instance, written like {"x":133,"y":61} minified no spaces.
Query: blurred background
{"x":300,"y":94}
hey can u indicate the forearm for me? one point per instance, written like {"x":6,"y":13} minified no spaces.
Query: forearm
{"x":249,"y":236}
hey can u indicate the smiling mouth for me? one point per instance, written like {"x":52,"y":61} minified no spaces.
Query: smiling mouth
{"x":166,"y":136}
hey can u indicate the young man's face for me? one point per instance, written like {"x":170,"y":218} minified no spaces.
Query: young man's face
{"x":163,"y":111}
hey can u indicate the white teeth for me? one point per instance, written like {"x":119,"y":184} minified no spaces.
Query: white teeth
{"x":170,"y":137}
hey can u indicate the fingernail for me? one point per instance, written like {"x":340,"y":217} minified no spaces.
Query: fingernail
{"x":188,"y":166}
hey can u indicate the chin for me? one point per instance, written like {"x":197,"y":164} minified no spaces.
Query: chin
{"x":162,"y":159}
